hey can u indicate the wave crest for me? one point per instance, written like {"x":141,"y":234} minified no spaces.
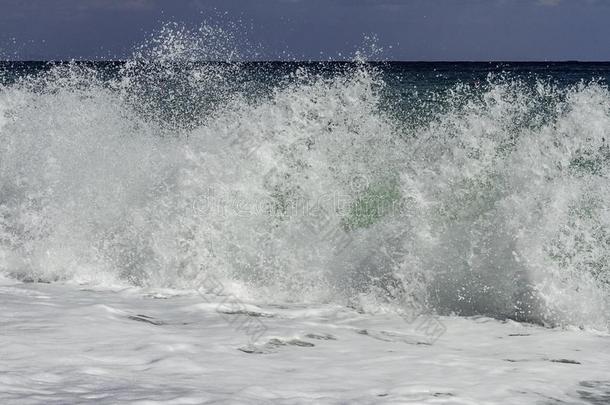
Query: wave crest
{"x":306,"y":185}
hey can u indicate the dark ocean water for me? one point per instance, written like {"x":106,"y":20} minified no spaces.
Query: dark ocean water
{"x":415,"y":73}
{"x":407,"y":85}
{"x":403,"y":78}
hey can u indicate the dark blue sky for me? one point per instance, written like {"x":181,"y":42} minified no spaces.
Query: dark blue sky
{"x":317,"y":29}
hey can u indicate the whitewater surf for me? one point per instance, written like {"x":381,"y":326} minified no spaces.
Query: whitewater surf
{"x":196,"y":219}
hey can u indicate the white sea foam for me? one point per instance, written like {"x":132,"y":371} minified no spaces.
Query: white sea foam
{"x":62,"y":344}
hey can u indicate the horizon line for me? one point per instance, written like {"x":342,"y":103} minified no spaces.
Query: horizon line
{"x":310,"y":61}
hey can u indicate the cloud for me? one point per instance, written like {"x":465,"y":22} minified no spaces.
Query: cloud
{"x":20,"y":9}
{"x":117,"y":4}
{"x":549,"y":2}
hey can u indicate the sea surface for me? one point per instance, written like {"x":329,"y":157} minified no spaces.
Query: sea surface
{"x":432,"y":212}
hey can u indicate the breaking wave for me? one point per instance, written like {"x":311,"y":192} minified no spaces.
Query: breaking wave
{"x":308,"y":185}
